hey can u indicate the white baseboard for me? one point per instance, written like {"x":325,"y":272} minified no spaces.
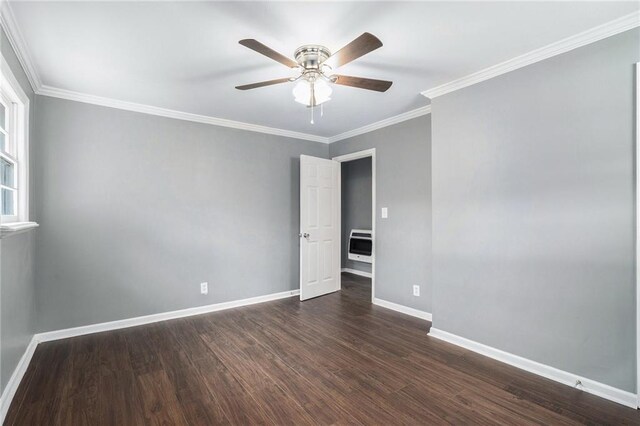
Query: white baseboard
{"x":356,"y":272}
{"x":147,"y":319}
{"x":402,"y":309}
{"x":13,"y":383}
{"x":600,"y":389}
{"x":21,"y":368}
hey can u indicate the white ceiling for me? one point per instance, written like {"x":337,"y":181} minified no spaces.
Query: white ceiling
{"x":185,"y":56}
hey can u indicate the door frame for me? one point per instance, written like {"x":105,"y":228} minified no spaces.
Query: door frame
{"x":344,"y":159}
{"x":637,"y":163}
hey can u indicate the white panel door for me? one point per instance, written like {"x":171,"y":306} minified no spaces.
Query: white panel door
{"x":319,"y":226}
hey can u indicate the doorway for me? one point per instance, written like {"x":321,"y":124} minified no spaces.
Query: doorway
{"x":358,"y":218}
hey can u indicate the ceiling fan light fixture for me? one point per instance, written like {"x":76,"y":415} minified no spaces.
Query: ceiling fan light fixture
{"x":322,"y":91}
{"x":314,"y":65}
{"x":302,"y":92}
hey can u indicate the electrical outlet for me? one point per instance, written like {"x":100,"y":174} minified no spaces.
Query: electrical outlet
{"x":416,"y":290}
{"x":385,"y":213}
{"x":204,"y":288}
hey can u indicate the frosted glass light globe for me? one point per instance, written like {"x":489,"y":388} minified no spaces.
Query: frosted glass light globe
{"x":302,"y":92}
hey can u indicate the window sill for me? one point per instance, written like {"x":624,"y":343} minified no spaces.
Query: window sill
{"x":9,"y":229}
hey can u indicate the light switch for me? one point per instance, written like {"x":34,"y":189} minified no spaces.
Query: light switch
{"x":385,"y":213}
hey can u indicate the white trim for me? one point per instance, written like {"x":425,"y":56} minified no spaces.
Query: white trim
{"x":15,"y":228}
{"x":600,"y":389}
{"x":637,"y":234}
{"x":20,"y":47}
{"x":11,"y":29}
{"x":21,"y":368}
{"x":12,"y":87}
{"x":356,"y":272}
{"x":355,"y":156}
{"x":403,"y":309}
{"x":16,"y":40}
{"x":592,"y":35}
{"x":170,"y":113}
{"x":12,"y":82}
{"x":382,"y":123}
{"x":148,"y":319}
{"x":13,"y":383}
{"x":179,"y":115}
{"x":8,"y":22}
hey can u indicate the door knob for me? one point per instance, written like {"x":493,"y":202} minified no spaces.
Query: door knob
{"x":304,"y":235}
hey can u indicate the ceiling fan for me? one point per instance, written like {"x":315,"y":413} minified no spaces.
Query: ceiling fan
{"x":315,"y":64}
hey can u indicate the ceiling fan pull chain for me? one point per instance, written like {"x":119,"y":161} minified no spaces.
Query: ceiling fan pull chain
{"x":313,"y":98}
{"x":322,"y":109}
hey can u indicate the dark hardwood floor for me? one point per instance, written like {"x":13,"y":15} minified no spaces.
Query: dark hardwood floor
{"x":336,"y":359}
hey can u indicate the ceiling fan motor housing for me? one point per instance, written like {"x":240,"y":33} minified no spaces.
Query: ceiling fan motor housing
{"x":311,"y":56}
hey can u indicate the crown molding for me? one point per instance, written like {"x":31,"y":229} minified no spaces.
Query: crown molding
{"x":8,"y":23}
{"x":70,"y":95}
{"x":382,"y":123}
{"x":600,"y":32}
{"x":592,"y":35}
{"x":169,"y":113}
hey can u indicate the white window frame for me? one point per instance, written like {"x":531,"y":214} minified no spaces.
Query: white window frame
{"x":17,"y":123}
{"x":9,"y":154}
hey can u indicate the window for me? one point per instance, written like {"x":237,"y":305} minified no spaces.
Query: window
{"x":14,"y":115}
{"x":8,"y":161}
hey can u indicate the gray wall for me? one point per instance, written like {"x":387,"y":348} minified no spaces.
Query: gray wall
{"x":17,"y":301}
{"x":355,"y":205}
{"x":136,"y":210}
{"x":533,"y":211}
{"x":403,"y":185}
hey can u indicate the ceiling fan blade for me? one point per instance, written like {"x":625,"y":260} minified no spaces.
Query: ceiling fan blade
{"x":359,"y":47}
{"x":363,"y":83}
{"x":269,"y":52}
{"x":263,"y":83}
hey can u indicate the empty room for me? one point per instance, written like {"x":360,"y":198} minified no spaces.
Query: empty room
{"x":319,"y":212}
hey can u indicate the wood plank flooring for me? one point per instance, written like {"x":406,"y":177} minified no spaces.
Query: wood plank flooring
{"x":336,"y":359}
